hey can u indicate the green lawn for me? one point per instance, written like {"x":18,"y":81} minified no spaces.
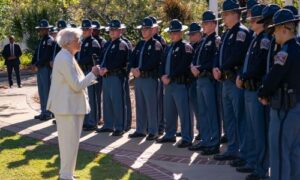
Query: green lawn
{"x":26,"y":158}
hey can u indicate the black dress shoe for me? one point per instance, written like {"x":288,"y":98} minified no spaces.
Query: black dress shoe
{"x":224,"y":157}
{"x":45,"y":117}
{"x":198,"y":137}
{"x":184,"y":144}
{"x":90,"y":128}
{"x":117,"y":133}
{"x":38,"y":116}
{"x":211,"y":151}
{"x":166,"y":140}
{"x":19,"y":86}
{"x":237,"y":163}
{"x":197,"y":147}
{"x":151,"y":137}
{"x":253,"y":176}
{"x":245,"y":169}
{"x":104,"y":130}
{"x":136,"y":135}
{"x":224,"y":139}
{"x":178,"y":134}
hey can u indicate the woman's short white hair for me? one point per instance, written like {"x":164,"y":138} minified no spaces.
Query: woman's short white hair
{"x":67,"y":35}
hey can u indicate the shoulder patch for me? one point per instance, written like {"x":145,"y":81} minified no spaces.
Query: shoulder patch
{"x":122,"y":46}
{"x":280,"y":58}
{"x":188,"y":48}
{"x":241,"y":36}
{"x":49,"y":42}
{"x":163,"y":42}
{"x":95,"y":44}
{"x":158,"y":46}
{"x":265,"y":43}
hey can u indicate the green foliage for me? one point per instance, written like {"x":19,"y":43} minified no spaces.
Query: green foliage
{"x":25,"y":60}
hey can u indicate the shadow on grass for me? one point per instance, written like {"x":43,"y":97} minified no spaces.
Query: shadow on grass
{"x":46,"y":160}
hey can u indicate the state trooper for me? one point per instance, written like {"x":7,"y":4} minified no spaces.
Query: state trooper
{"x":195,"y":34}
{"x":229,"y":59}
{"x":127,"y":105}
{"x":96,"y":34}
{"x":281,"y":90}
{"x":201,"y":68}
{"x":41,"y":61}
{"x":249,"y":5}
{"x":175,"y":76}
{"x":144,"y":64}
{"x":60,"y":24}
{"x":89,"y":47}
{"x":113,"y":62}
{"x":250,"y":79}
{"x":161,"y":120}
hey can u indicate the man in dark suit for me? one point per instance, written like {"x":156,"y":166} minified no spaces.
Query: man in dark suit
{"x":11,"y":54}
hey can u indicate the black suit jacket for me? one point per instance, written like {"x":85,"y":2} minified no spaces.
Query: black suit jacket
{"x":6,"y":53}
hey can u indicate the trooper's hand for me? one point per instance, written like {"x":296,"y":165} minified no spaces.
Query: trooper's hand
{"x":217,"y":73}
{"x":239,"y":82}
{"x":95,"y":70}
{"x":136,"y":72}
{"x":103,"y":71}
{"x":195,"y":71}
{"x":165,"y":79}
{"x":263,"y":101}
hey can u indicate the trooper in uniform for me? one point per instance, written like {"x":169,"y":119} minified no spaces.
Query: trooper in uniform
{"x":155,"y":31}
{"x":250,"y":79}
{"x":89,"y":48}
{"x":12,"y":53}
{"x":96,"y":34}
{"x":281,"y":90}
{"x":113,"y":62}
{"x":175,"y":73}
{"x":229,"y":60}
{"x":144,"y":64}
{"x":60,"y":24}
{"x":201,"y":68}
{"x":161,"y":120}
{"x":249,"y":5}
{"x":127,"y":105}
{"x":195,"y":34}
{"x":41,"y":61}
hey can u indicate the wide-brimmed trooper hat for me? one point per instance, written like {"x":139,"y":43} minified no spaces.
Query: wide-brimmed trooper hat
{"x":43,"y":24}
{"x":283,"y":16}
{"x":175,"y":26}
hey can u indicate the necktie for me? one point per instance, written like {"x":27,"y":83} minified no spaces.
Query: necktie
{"x":269,"y":56}
{"x":141,"y":55}
{"x":168,"y":63}
{"x":200,"y":50}
{"x":222,"y":48}
{"x":12,"y":50}
{"x":105,"y":54}
{"x":245,"y":67}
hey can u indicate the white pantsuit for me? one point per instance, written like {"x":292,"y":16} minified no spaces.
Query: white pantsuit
{"x":68,"y":100}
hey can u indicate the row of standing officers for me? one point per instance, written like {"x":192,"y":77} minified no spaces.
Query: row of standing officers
{"x":249,"y":78}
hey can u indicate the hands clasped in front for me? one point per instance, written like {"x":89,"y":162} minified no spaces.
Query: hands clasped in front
{"x":98,"y":71}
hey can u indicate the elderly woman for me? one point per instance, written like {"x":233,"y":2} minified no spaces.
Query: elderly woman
{"x":68,"y":98}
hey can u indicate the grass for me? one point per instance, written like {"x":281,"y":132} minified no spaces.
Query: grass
{"x":26,"y":158}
